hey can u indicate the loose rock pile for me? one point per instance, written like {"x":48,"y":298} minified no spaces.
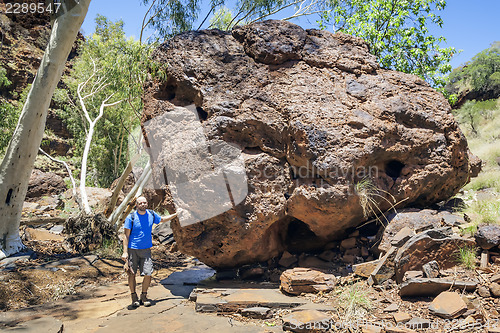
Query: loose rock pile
{"x":416,"y":284}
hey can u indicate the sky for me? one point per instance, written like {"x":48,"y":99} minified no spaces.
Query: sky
{"x":470,"y":26}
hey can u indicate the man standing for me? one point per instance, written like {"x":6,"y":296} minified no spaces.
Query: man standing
{"x":137,"y":245}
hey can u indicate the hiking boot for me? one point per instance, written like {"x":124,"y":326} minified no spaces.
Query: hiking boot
{"x":144,"y":300}
{"x":135,"y":300}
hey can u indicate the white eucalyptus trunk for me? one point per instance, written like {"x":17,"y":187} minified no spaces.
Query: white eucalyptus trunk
{"x":19,"y":159}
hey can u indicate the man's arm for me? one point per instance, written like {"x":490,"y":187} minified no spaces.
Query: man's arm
{"x":126,"y":237}
{"x":167,"y":218}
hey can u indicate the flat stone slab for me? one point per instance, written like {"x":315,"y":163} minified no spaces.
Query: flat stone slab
{"x":231,"y":300}
{"x":448,"y":305}
{"x":365,"y":269}
{"x":307,"y":321}
{"x":433,"y":286}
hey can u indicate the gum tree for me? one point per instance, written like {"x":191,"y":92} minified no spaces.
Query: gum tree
{"x":397,"y":32}
{"x":19,"y":159}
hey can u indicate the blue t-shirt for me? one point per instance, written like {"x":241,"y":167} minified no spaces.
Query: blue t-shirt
{"x":140,"y":235}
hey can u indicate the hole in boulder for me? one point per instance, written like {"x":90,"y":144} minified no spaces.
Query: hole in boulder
{"x":166,"y":92}
{"x":202,"y":114}
{"x":299,"y":238}
{"x":393,"y":169}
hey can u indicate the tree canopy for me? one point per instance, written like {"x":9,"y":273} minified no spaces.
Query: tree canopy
{"x":479,"y":77}
{"x":397,"y":32}
{"x":110,"y":67}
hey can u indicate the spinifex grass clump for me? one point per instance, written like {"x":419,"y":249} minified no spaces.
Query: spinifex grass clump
{"x":467,"y":257}
{"x":370,"y":197}
{"x":354,"y":300}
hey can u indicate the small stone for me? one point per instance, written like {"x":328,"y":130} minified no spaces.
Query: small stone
{"x":348,"y":243}
{"x":401,"y":317}
{"x":495,"y":278}
{"x":371,"y":329}
{"x":494,"y":329}
{"x":57,"y":229}
{"x":354,"y":234}
{"x":495,"y":289}
{"x":392,"y":308}
{"x":307,"y":321}
{"x":328,"y":255}
{"x":448,"y":305}
{"x":433,"y":287}
{"x":287,"y":259}
{"x":257,"y":312}
{"x":412,"y":275}
{"x":304,"y":280}
{"x":365,"y":269}
{"x":402,"y":236}
{"x":483,"y":291}
{"x":331,"y":246}
{"x":348,"y":259}
{"x":418,"y":323}
{"x":484,"y":260}
{"x":431,"y":269}
{"x":364,"y":252}
{"x":385,"y":268}
{"x":398,"y":330}
{"x":354,"y":252}
{"x":488,"y":236}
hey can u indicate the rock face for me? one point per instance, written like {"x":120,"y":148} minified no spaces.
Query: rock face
{"x":44,"y":183}
{"x":312,"y":114}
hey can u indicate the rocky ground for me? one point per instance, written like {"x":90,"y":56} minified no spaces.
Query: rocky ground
{"x":339,"y":289}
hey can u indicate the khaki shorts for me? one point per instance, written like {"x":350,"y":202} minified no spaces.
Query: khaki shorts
{"x":141,"y":258}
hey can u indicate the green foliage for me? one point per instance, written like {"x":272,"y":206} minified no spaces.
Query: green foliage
{"x":472,"y":113}
{"x":222,"y":19}
{"x":110,"y":248}
{"x":480,"y":75}
{"x":112,"y":66}
{"x":170,"y":17}
{"x":483,"y":211}
{"x":467,"y":257}
{"x":4,"y":81}
{"x":9,"y":115}
{"x":397,"y":32}
{"x":480,"y":122}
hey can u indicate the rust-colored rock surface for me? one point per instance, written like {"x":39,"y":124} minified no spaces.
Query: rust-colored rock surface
{"x":44,"y":183}
{"x":305,"y":280}
{"x":312,"y":114}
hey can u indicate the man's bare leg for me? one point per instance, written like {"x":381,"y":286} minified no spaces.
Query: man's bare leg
{"x":145,"y":285}
{"x":132,"y":285}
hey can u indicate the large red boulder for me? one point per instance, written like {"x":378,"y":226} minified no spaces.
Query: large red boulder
{"x":322,"y":135}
